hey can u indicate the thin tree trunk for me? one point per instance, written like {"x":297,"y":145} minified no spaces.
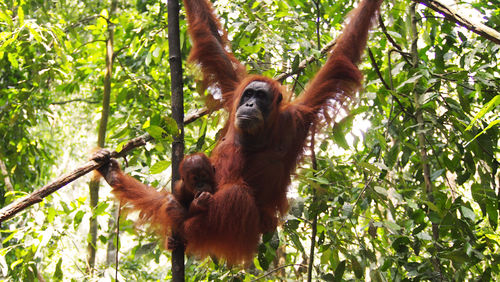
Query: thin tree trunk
{"x":112,"y":248}
{"x":5,"y":175}
{"x":314,"y":224}
{"x":424,"y":159}
{"x":178,"y":116}
{"x":101,"y":138}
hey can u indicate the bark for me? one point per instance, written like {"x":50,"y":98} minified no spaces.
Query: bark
{"x":314,"y":224}
{"x":453,"y":15}
{"x":178,"y":115}
{"x":101,"y":138}
{"x":5,"y":175}
{"x":424,"y":158}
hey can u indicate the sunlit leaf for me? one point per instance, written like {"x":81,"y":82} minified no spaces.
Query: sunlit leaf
{"x":159,"y":167}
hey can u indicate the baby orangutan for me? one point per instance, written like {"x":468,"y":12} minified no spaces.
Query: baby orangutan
{"x":197,"y":182}
{"x":191,"y":194}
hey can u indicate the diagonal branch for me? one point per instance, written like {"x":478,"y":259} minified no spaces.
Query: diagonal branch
{"x":37,"y":196}
{"x":453,"y":15}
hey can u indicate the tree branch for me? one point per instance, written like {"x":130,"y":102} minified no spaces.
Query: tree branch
{"x":75,"y":100}
{"x":37,"y":196}
{"x":453,"y":15}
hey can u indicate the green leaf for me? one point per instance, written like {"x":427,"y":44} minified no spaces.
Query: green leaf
{"x":16,"y":263}
{"x":58,"y":273}
{"x":4,"y":17}
{"x":20,"y":15}
{"x":372,"y":168}
{"x":320,"y":180}
{"x":13,"y":60}
{"x":78,"y":218}
{"x":144,"y":249}
{"x":101,"y":208}
{"x":295,"y":63}
{"x":104,"y":13}
{"x":8,"y":238}
{"x":387,"y":263}
{"x":487,"y":108}
{"x":356,"y":267}
{"x":261,"y":256}
{"x":159,"y":167}
{"x":391,"y":156}
{"x":203,"y":131}
{"x":467,"y":213}
{"x":339,"y":136}
{"x":296,"y":241}
{"x":424,"y":236}
{"x":51,"y":214}
{"x":171,"y":126}
{"x":156,"y":132}
{"x":490,"y":125}
{"x":401,"y":244}
{"x":393,"y":226}
{"x":326,"y":256}
{"x":156,"y":52}
{"x":380,"y":190}
{"x":36,"y":34}
{"x":339,"y":271}
{"x":492,"y":211}
{"x":436,"y":174}
{"x":282,"y":9}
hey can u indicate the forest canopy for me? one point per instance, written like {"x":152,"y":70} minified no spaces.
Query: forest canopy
{"x":403,"y":185}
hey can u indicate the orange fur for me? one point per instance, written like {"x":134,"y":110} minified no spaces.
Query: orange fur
{"x":252,"y":171}
{"x":197,"y":175}
{"x":159,"y":208}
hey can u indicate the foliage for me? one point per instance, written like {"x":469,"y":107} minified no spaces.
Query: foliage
{"x":376,"y":218}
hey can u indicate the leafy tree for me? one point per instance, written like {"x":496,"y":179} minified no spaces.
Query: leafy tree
{"x":403,"y":186}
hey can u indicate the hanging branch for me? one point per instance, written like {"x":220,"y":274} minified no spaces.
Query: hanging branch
{"x":37,"y":196}
{"x":452,"y":15}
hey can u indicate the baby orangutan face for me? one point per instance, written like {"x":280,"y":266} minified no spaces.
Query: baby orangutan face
{"x":198,"y":174}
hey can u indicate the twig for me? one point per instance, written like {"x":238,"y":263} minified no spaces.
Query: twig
{"x":190,"y":117}
{"x":75,"y":100}
{"x":389,"y":37}
{"x":454,"y":16}
{"x":377,"y":69}
{"x":303,"y":64}
{"x":277,"y":269}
